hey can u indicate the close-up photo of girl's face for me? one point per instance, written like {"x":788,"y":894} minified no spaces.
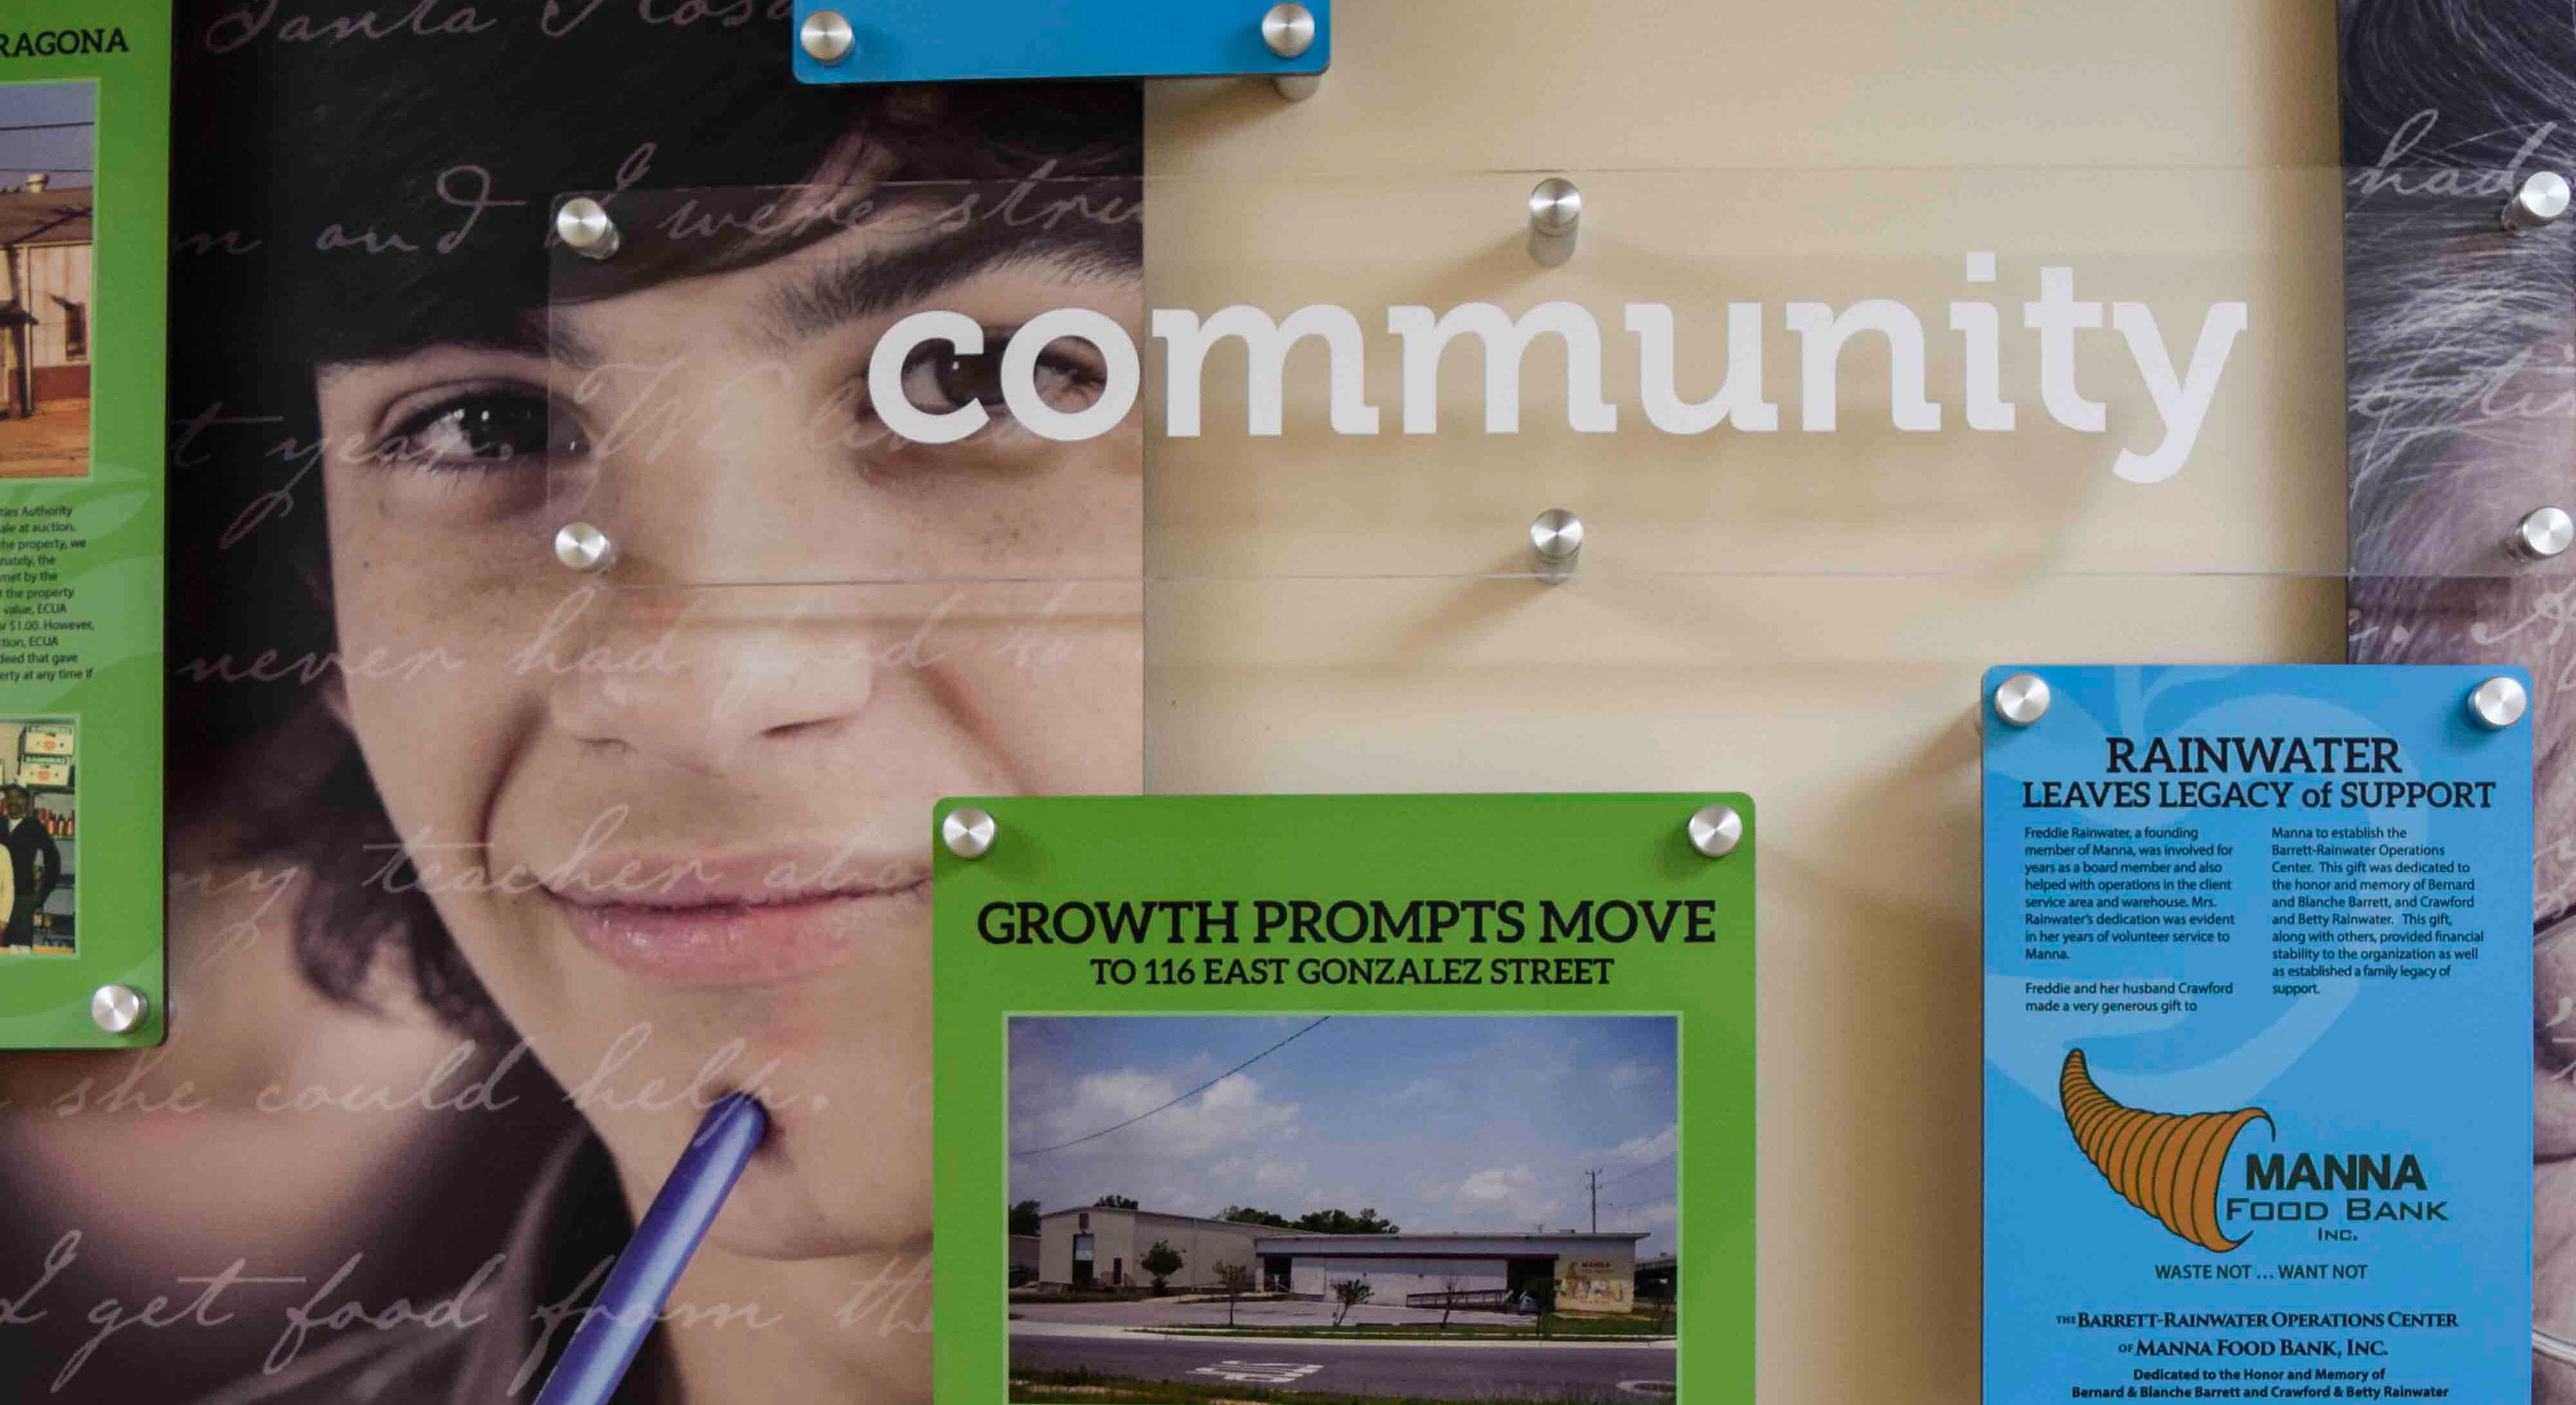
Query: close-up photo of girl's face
{"x":675,"y":814}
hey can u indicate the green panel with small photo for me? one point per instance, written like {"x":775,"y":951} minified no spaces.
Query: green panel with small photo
{"x":1350,"y":1097}
{"x":84,"y":234}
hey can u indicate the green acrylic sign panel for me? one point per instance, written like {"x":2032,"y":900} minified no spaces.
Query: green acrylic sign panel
{"x":1346,"y":934}
{"x":85,"y":103}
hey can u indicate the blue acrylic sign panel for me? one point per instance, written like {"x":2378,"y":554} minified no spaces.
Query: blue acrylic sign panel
{"x":2258,"y":1044}
{"x":941,"y":41}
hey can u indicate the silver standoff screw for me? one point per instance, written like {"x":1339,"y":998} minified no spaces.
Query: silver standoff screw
{"x":2022,"y":699}
{"x":118,"y":1009}
{"x":2544,"y":534}
{"x":1555,"y":221}
{"x":1556,"y":545}
{"x":1288,"y":29}
{"x":2540,"y":202}
{"x":968,"y":832}
{"x":1715,"y":830}
{"x":2499,"y":703}
{"x":585,"y":228}
{"x":583,"y":547}
{"x":826,"y":36}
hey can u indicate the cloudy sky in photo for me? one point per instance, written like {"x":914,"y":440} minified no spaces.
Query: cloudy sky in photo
{"x":48,"y":127}
{"x":1438,"y":1122}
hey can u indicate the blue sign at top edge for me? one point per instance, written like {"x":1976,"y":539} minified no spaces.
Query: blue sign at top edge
{"x":935,"y":41}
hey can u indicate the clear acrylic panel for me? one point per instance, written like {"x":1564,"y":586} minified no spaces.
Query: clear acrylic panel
{"x":715,"y":419}
{"x":1980,"y":372}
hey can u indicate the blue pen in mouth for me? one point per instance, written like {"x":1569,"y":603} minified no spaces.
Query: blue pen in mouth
{"x":631,"y":1301}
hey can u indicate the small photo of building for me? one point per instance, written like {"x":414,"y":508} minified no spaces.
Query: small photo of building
{"x":48,"y":137}
{"x":1498,"y":1196}
{"x":1585,"y":1271}
{"x":1101,"y":1246}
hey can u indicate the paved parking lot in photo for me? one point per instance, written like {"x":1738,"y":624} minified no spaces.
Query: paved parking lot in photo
{"x":54,"y":443}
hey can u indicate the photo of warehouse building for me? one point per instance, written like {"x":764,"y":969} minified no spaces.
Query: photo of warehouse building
{"x":1098,"y":1246}
{"x":1588,"y":1272}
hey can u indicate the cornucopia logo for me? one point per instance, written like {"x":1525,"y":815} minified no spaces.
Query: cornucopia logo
{"x":2167,"y":1163}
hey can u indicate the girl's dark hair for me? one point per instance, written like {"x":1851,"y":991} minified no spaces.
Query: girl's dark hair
{"x":349,"y":191}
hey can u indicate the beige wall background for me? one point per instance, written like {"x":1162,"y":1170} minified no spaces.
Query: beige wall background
{"x":1804,"y":617}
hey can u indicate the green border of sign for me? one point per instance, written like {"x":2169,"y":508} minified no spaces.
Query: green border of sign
{"x":118,"y":512}
{"x":1564,"y":847}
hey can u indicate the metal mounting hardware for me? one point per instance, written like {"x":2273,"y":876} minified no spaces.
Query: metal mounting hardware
{"x":118,"y":1009}
{"x":2022,"y":699}
{"x":2499,"y":703}
{"x":1715,"y":830}
{"x":583,"y":547}
{"x":585,"y":228}
{"x":968,"y":832}
{"x":1555,"y":221}
{"x":1289,"y":31}
{"x":2542,"y":535}
{"x":2541,"y":202}
{"x":1556,"y":544}
{"x":826,"y":36}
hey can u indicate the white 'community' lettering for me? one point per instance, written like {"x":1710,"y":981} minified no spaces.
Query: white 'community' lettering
{"x":2181,"y":396}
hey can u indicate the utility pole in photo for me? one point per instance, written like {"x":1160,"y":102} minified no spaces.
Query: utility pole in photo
{"x":1596,"y":1200}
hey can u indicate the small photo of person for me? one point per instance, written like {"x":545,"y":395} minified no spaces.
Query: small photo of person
{"x":48,"y":134}
{"x":37,"y":817}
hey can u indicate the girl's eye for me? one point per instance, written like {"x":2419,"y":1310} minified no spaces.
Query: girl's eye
{"x":485,"y":428}
{"x":938,"y":378}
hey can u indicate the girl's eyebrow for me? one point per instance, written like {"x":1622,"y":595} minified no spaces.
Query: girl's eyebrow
{"x":564,"y":346}
{"x":859,"y":286}
{"x":862,"y":285}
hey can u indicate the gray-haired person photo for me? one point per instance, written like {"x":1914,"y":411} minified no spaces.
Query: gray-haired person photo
{"x":2461,"y":383}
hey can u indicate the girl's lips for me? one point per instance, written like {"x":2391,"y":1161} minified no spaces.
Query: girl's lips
{"x":718,"y":938}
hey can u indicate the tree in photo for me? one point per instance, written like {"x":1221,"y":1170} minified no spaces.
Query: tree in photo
{"x":1161,"y":1261}
{"x":1024,"y":1217}
{"x":1114,"y":1202}
{"x":1337,"y":1221}
{"x":1348,"y":1293}
{"x":1234,"y":1280}
{"x":1540,"y":1289}
{"x":1450,"y":1288}
{"x":1245,"y":1214}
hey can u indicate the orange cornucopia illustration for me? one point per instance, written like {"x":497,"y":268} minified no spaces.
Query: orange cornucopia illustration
{"x":2166,"y":1163}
